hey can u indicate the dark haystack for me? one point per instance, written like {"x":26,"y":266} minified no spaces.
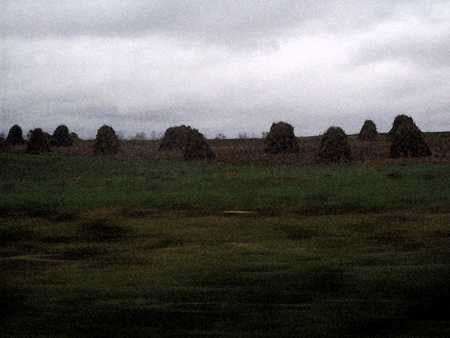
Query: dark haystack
{"x":74,"y":136}
{"x":38,"y":142}
{"x":197,"y":148}
{"x":408,"y":141}
{"x":399,"y":120}
{"x":106,"y":141}
{"x":175,"y":138}
{"x":334,"y":146}
{"x":15,"y":136}
{"x":281,"y":139}
{"x":61,"y":137}
{"x":368,"y":131}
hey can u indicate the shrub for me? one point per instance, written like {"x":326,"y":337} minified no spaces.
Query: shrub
{"x":399,"y":120}
{"x":197,"y":148}
{"x":368,"y":131}
{"x":61,"y":137}
{"x":334,"y":146}
{"x":38,"y":142}
{"x":408,"y":141}
{"x":281,"y":139}
{"x":175,"y":138}
{"x":15,"y":136}
{"x":106,"y":141}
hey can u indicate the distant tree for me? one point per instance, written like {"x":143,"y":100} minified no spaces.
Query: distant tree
{"x":368,"y":131}
{"x":61,"y":137}
{"x":155,"y":135}
{"x":15,"y":136}
{"x":334,"y":146}
{"x":140,"y":136}
{"x":220,"y":136}
{"x":106,"y":141}
{"x":38,"y":142}
{"x":281,"y":139}
{"x":243,"y":135}
{"x":120,"y":135}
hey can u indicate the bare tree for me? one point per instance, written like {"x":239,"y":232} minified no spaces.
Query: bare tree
{"x":140,"y":136}
{"x":220,"y":136}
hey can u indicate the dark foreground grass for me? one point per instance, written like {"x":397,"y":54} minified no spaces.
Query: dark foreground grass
{"x":100,"y":247}
{"x":44,"y":184}
{"x":367,"y":275}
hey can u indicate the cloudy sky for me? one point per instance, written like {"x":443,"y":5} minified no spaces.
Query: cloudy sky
{"x":225,"y":66}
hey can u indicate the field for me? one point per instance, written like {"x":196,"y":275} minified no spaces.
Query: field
{"x":144,"y":245}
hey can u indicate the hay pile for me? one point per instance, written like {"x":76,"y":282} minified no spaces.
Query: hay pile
{"x":175,"y":138}
{"x":334,"y":147}
{"x":189,"y":141}
{"x":407,"y":139}
{"x":399,"y":120}
{"x":106,"y":141}
{"x":38,"y":142}
{"x":74,"y":136}
{"x":15,"y":136}
{"x":61,"y":137}
{"x":281,"y":139}
{"x":197,"y":148}
{"x":368,"y":131}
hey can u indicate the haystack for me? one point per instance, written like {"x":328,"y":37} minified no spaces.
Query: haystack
{"x":15,"y":136}
{"x":368,"y":131}
{"x":399,"y":120}
{"x":334,"y":146}
{"x":38,"y":142}
{"x":175,"y":138}
{"x":281,"y":139}
{"x":197,"y":148}
{"x":408,"y":141}
{"x":61,"y":137}
{"x":106,"y":141}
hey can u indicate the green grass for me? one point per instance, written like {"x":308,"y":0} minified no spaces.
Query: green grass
{"x":55,"y":182}
{"x":97,"y":247}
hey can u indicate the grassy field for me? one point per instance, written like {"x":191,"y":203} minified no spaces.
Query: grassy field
{"x":101,"y":247}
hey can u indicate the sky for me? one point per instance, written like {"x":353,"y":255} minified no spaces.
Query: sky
{"x":223,"y":66}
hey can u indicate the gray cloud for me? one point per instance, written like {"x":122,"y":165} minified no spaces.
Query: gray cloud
{"x":223,"y":66}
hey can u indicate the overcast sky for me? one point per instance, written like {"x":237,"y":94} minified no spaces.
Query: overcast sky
{"x":225,"y":66}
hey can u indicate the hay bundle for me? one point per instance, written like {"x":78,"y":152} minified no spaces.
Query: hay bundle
{"x":368,"y":131}
{"x":334,"y":146}
{"x":61,"y":137}
{"x":398,"y":121}
{"x":408,"y":141}
{"x":74,"y":136}
{"x":15,"y":136}
{"x":281,"y":139}
{"x":106,"y":141}
{"x":197,"y":148}
{"x":38,"y":142}
{"x":175,"y":138}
